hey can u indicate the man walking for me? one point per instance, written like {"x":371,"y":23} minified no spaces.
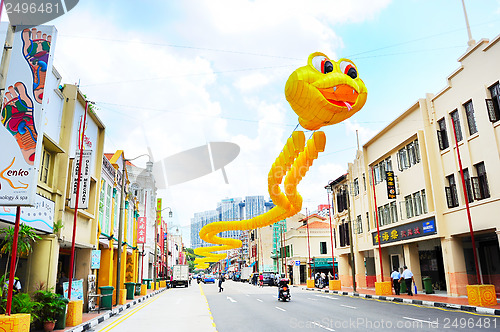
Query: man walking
{"x":408,"y":278}
{"x":395,"y":276}
{"x":221,"y":280}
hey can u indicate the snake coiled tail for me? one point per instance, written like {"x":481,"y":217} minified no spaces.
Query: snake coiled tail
{"x":292,"y":164}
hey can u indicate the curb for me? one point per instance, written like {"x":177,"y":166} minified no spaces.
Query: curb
{"x":469,"y":308}
{"x":110,"y":313}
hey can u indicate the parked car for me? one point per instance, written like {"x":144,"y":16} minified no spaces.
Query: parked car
{"x":268,"y":278}
{"x":236,"y":276}
{"x":208,"y":278}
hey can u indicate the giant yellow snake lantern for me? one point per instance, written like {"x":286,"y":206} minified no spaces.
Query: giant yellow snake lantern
{"x":322,"y":93}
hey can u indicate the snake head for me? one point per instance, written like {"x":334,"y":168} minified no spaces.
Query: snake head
{"x":325,"y":92}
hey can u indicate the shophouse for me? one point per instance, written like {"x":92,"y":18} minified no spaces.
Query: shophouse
{"x":407,"y":177}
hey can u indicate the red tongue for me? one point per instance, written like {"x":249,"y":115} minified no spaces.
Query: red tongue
{"x":349,"y":107}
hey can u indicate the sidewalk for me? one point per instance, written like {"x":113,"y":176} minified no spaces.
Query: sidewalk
{"x":93,"y":318}
{"x":430,"y":300}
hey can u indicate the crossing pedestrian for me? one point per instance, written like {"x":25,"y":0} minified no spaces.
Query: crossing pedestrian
{"x":221,"y":280}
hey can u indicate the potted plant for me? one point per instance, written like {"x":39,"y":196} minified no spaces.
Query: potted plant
{"x":49,"y":306}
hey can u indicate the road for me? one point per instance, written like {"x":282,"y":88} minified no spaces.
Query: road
{"x":244,"y":307}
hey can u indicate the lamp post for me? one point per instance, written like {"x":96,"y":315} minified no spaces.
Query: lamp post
{"x":120,"y":226}
{"x":329,"y":190}
{"x":158,"y":219}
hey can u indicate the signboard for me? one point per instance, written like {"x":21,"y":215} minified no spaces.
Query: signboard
{"x":297,"y":263}
{"x":40,"y":216}
{"x":141,"y":230}
{"x":95,"y":259}
{"x":84,"y":180}
{"x":391,"y":185}
{"x":76,"y":289}
{"x":91,"y":291}
{"x":406,"y":232}
{"x":21,"y":127}
{"x":323,"y":262}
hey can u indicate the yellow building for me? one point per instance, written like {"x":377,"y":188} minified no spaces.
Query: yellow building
{"x":420,"y":206}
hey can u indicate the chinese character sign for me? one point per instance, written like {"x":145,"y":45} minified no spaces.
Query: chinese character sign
{"x":391,"y":185}
{"x":21,"y":114}
{"x":141,"y":230}
{"x":406,"y":232}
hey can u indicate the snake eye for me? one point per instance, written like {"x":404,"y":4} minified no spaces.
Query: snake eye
{"x":322,"y":64}
{"x":348,"y":68}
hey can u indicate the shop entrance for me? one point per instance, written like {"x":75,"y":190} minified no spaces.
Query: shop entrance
{"x":431,"y":265}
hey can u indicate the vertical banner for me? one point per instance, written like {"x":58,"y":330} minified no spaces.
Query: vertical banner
{"x":158,"y":210}
{"x":21,"y":115}
{"x":84,"y":180}
{"x":141,"y":230}
{"x":95,"y":259}
{"x":391,"y":185}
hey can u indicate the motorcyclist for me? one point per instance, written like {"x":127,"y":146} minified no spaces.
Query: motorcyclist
{"x":283,"y":282}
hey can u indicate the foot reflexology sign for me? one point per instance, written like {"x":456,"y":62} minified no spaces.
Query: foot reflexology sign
{"x":21,"y":130}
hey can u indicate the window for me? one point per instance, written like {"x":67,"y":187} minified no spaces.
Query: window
{"x":384,"y":215}
{"x":45,"y":166}
{"x":493,"y":104}
{"x":480,"y":183}
{"x":471,"y":119}
{"x":376,"y":172}
{"x":442,"y":136}
{"x":394,"y":212}
{"x":451,"y":192}
{"x":364,"y":181}
{"x":322,"y":248}
{"x":359,"y":225}
{"x":409,"y":207}
{"x":341,"y":200}
{"x":403,"y":162}
{"x":356,"y":187}
{"x":413,"y":153}
{"x":344,"y":234}
{"x":456,"y":122}
{"x":468,"y":186}
{"x":424,"y":201}
{"x":367,"y":221}
{"x":417,"y":203}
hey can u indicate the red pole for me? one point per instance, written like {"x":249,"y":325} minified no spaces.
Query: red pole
{"x":72,"y":257}
{"x":282,"y":251}
{"x":471,"y":229}
{"x":13,"y":261}
{"x":308,"y":245}
{"x":378,"y":228}
{"x":330,"y":212}
{"x":1,"y":9}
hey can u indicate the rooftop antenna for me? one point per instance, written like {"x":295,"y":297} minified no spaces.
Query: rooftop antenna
{"x":357,"y":138}
{"x":471,"y":42}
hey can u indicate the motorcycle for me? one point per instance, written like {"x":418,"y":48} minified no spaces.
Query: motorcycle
{"x":284,"y":290}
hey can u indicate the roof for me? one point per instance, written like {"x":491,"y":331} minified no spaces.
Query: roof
{"x":316,"y":225}
{"x":314,"y":215}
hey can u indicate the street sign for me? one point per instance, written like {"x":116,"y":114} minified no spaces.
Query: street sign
{"x":297,"y":263}
{"x":141,"y":230}
{"x":83,"y":196}
{"x":95,"y":261}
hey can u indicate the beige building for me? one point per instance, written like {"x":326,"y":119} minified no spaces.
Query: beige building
{"x":423,"y":218}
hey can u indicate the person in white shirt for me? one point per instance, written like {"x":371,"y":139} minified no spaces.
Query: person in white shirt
{"x":408,"y":278}
{"x":395,"y":276}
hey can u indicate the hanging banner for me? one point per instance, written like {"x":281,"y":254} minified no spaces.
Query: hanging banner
{"x":95,"y":259}
{"x":141,"y":230}
{"x":391,"y":185}
{"x":21,"y":115}
{"x":83,"y":196}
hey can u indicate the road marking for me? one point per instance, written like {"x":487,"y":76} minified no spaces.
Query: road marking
{"x":259,"y":300}
{"x":208,"y":307}
{"x":327,"y":297}
{"x":423,"y":321}
{"x":280,"y":308}
{"x":312,"y":299}
{"x":348,"y":306}
{"x":230,"y":299}
{"x":326,"y":328}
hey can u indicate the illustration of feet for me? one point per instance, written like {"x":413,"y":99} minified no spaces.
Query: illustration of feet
{"x":17,"y":117}
{"x":36,"y":47}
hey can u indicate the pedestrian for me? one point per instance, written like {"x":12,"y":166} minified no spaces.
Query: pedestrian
{"x":330,"y":276}
{"x":221,"y":280}
{"x":261,"y":280}
{"x":395,"y":276}
{"x":408,"y":278}
{"x":323,"y":279}
{"x":17,"y":286}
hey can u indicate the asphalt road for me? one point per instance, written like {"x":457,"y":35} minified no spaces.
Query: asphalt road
{"x":244,"y":307}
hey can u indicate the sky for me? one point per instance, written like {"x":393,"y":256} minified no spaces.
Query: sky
{"x":174,"y":75}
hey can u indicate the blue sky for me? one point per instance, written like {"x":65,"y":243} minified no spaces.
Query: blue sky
{"x":174,"y":75}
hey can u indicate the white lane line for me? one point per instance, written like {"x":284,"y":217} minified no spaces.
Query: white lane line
{"x":326,"y":328}
{"x":247,"y":295}
{"x":259,"y":300}
{"x":312,"y":299}
{"x":326,"y":297}
{"x":423,"y":321}
{"x":348,"y":306}
{"x":280,"y":308}
{"x":230,"y":299}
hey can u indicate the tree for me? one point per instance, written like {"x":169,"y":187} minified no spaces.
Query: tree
{"x":25,"y":239}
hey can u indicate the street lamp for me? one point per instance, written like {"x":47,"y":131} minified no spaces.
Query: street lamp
{"x":158,"y":212}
